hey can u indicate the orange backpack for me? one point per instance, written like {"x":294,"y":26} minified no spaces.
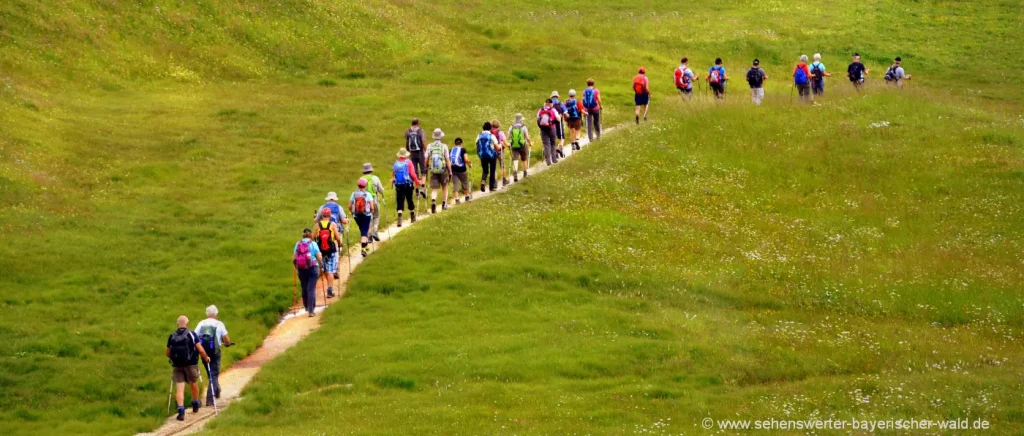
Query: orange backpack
{"x":639,"y":86}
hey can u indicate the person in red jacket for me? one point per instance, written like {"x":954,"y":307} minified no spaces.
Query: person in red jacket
{"x":641,"y":93}
{"x":802,"y":79}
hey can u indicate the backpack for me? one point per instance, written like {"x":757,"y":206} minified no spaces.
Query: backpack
{"x":754,"y":77}
{"x":639,"y":86}
{"x":325,"y":238}
{"x":800,"y":76}
{"x":557,"y":106}
{"x":359,"y":204}
{"x":208,"y":338}
{"x":183,"y":348}
{"x":715,"y":75}
{"x":483,"y":146}
{"x":890,"y":75}
{"x":817,"y":72}
{"x":412,"y":140}
{"x":855,"y":73}
{"x":517,"y":136}
{"x":303,"y":258}
{"x":571,"y":109}
{"x":456,"y":157}
{"x":401,"y":170}
{"x":589,"y":100}
{"x":437,"y":164}
{"x":370,"y":186}
{"x":544,"y":118}
{"x":684,"y":80}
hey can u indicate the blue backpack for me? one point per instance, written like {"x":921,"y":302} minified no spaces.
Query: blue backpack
{"x":800,"y":77}
{"x":589,"y":101}
{"x":571,"y":109}
{"x":483,"y":146}
{"x":456,"y":157}
{"x":401,"y":170}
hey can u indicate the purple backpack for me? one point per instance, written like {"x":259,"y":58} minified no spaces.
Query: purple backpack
{"x":303,"y":260}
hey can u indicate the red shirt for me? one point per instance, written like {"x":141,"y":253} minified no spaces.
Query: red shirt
{"x":803,"y":65}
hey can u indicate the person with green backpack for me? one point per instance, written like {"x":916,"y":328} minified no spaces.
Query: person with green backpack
{"x":213,"y":334}
{"x":440,"y":169}
{"x":376,"y":188}
{"x":520,"y":143}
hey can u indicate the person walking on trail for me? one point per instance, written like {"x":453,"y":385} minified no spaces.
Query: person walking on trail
{"x":895,"y":75}
{"x":459,"y":159}
{"x":574,"y":118}
{"x":184,"y":351}
{"x":440,"y":168}
{"x":559,"y":128}
{"x":502,"y":149}
{"x":641,"y":93}
{"x":755,"y":78}
{"x":213,"y":335}
{"x":487,"y":151}
{"x":856,"y":72}
{"x":802,"y":79}
{"x":592,"y":103}
{"x":376,"y":189}
{"x":328,"y":240}
{"x":306,"y":258}
{"x":546,"y":119}
{"x":415,"y":143}
{"x":338,"y":215}
{"x":684,"y":78}
{"x":716,"y":79}
{"x":362,"y":205}
{"x":404,"y":179}
{"x":520,"y":144}
{"x":818,"y":75}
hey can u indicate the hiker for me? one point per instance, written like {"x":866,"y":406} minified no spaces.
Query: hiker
{"x":362,"y":206}
{"x":818,"y":75}
{"x":338,"y":215}
{"x":592,"y":103}
{"x":184,"y":350}
{"x":440,"y":170}
{"x":460,"y":170}
{"x":802,"y":79}
{"x":641,"y":93}
{"x":520,"y":143}
{"x":404,"y":179}
{"x":895,"y":74}
{"x":376,"y":189}
{"x":547,"y":117}
{"x":716,"y":78}
{"x":856,"y":72}
{"x":487,"y":151}
{"x":213,"y":335}
{"x":502,"y":149}
{"x":684,"y":78}
{"x":306,"y":258}
{"x":755,"y":78}
{"x":559,"y":132}
{"x":574,"y":112}
{"x":328,"y":240}
{"x":415,"y":141}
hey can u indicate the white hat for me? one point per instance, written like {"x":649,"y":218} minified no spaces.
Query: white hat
{"x":572,"y":93}
{"x":554,"y":94}
{"x":332,"y":196}
{"x":438,"y":134}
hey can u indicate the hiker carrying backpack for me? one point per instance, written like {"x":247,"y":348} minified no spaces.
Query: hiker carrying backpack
{"x":572,"y":110}
{"x":755,"y":78}
{"x":589,"y":100}
{"x":413,"y":142}
{"x":683,"y":80}
{"x":800,"y":75}
{"x":208,"y":338}
{"x":438,"y":165}
{"x":715,"y":76}
{"x":303,"y":256}
{"x":484,"y":146}
{"x":183,"y":348}
{"x":361,"y":204}
{"x":517,"y":137}
{"x":890,"y":74}
{"x":640,"y":84}
{"x":817,"y":72}
{"x":401,"y":171}
{"x":325,"y":238}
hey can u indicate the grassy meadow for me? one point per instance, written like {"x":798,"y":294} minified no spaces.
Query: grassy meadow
{"x":861,"y":257}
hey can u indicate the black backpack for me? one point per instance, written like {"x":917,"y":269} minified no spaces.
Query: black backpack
{"x":412,"y":141}
{"x":183,"y":348}
{"x":890,"y":76}
{"x":817,"y":72}
{"x":754,"y":77}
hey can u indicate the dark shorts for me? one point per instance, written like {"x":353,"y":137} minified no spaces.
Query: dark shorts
{"x":558,"y":130}
{"x":575,"y":124}
{"x":718,"y":88}
{"x":641,"y":99}
{"x":522,"y":152}
{"x":461,"y":181}
{"x":185,"y":374}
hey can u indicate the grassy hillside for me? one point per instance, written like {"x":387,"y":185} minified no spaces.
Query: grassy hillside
{"x":157,"y":157}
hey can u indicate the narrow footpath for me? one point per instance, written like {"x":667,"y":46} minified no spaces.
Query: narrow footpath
{"x":295,"y":326}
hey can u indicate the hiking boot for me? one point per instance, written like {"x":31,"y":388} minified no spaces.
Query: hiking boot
{"x":468,"y":198}
{"x":181,"y":414}
{"x":399,"y":220}
{"x":524,"y":174}
{"x":504,"y":181}
{"x":494,"y":187}
{"x":412,"y":217}
{"x":337,"y":276}
{"x":483,"y":187}
{"x":330,"y":294}
{"x":365,"y":253}
{"x":457,"y":202}
{"x":195,"y":406}
{"x":515,"y":177}
{"x":444,"y":205}
{"x":638,"y":119}
{"x":433,"y":207}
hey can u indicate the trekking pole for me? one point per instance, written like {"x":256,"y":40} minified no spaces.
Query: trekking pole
{"x":348,"y":252}
{"x":170,"y":393}
{"x":209,"y":380}
{"x":295,"y":290}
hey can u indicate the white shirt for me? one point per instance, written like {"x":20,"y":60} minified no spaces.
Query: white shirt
{"x":221,"y":330}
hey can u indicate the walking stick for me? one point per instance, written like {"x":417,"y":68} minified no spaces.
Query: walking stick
{"x":209,"y":378}
{"x":295,"y":290}
{"x":170,"y":393}
{"x":348,"y":251}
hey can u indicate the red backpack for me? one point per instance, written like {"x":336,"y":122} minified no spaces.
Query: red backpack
{"x":639,"y":86}
{"x":303,"y":259}
{"x":325,"y":238}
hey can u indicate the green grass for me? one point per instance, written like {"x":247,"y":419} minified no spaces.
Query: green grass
{"x":158,"y":157}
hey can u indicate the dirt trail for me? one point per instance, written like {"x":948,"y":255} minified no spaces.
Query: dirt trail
{"x":295,"y":326}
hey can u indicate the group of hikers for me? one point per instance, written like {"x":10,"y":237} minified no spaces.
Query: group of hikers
{"x":419,"y":164}
{"x":808,"y":79}
{"x":185,"y":348}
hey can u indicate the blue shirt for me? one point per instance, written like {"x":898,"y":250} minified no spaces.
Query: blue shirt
{"x":313,"y":249}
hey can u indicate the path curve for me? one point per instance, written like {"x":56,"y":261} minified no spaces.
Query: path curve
{"x":295,"y":326}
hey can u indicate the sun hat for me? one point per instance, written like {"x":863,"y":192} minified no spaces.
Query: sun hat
{"x":403,"y":152}
{"x":361,"y":183}
{"x":367,"y":168}
{"x":331,"y":196}
{"x":438,"y":134}
{"x":519,"y":118}
{"x":554,"y":94}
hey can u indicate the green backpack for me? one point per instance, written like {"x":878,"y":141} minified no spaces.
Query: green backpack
{"x":437,"y":164}
{"x":518,"y":137}
{"x":370,"y":186}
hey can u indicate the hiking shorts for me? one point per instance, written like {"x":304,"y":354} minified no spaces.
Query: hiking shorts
{"x":718,"y":88}
{"x":331,"y":263}
{"x":642,"y":99}
{"x":523,"y":153}
{"x":437,"y":180}
{"x":185,"y":374}
{"x":461,"y":182}
{"x":558,"y":130}
{"x":575,"y":124}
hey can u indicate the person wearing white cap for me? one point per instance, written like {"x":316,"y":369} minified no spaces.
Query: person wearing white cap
{"x":440,"y":168}
{"x":574,"y":113}
{"x":559,"y":128}
{"x":376,"y":189}
{"x":818,"y":75}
